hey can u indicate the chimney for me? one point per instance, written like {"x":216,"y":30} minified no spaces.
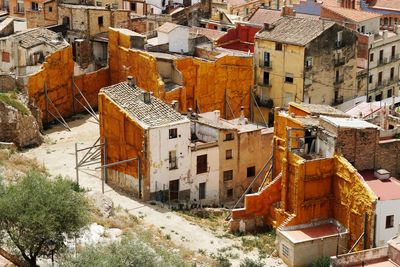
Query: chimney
{"x":146,"y":97}
{"x":175,"y":105}
{"x":217,"y":114}
{"x":242,"y":119}
{"x":288,"y":11}
{"x":131,"y":81}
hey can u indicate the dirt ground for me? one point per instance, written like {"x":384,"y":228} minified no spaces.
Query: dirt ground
{"x":57,"y":154}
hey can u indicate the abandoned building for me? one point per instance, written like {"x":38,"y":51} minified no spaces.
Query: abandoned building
{"x":198,"y":159}
{"x":318,"y":175}
{"x":324,"y":71}
{"x":32,"y":46}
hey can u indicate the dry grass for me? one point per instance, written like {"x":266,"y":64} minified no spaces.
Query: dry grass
{"x":215,"y":221}
{"x":15,"y":165}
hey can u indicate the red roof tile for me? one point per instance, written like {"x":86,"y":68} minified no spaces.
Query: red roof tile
{"x":384,"y":189}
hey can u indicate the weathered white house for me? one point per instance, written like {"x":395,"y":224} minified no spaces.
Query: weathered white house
{"x":176,"y":36}
{"x":23,"y":53}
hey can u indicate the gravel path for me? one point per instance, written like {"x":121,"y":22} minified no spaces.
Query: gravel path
{"x":58,"y":156}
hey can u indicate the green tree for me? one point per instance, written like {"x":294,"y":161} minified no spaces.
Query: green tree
{"x":37,"y":214}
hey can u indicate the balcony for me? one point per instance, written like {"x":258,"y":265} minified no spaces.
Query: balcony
{"x":266,"y":64}
{"x":383,"y":61}
{"x":264,"y":83}
{"x":394,"y":57}
{"x":339,"y":80}
{"x":395,"y":79}
{"x":339,"y":61}
{"x":19,"y":10}
{"x":381,"y":84}
{"x":338,"y":100}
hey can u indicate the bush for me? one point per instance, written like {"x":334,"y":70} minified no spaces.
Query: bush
{"x":323,"y":261}
{"x":12,"y":100}
{"x":251,"y":263}
{"x":129,"y":252}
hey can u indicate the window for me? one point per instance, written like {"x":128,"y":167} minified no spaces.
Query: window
{"x":389,"y":221}
{"x":309,"y":62}
{"x":50,"y":9}
{"x":288,"y":78}
{"x":393,"y":51}
{"x":278,"y":46}
{"x":5,"y":57}
{"x":228,"y":154}
{"x":266,"y":59}
{"x":100,"y":21}
{"x":251,"y":171}
{"x":339,"y":38}
{"x":98,"y":3}
{"x":34,"y":6}
{"x":371,"y":57}
{"x":266,"y":78}
{"x":247,"y":11}
{"x":202,"y":190}
{"x":201,"y":164}
{"x":228,"y":175}
{"x":370,"y":79}
{"x":337,"y":76}
{"x":389,"y":93}
{"x":133,"y":6}
{"x":229,"y":136}
{"x":229,"y":193}
{"x":363,"y":29}
{"x":172,"y":160}
{"x":392,"y":74}
{"x":380,"y":78}
{"x":381,"y":56}
{"x":173,"y":133}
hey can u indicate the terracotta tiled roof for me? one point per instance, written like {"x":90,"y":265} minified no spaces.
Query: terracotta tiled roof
{"x":352,"y":14}
{"x":241,"y":2}
{"x":130,"y":99}
{"x":167,"y":27}
{"x":263,"y":15}
{"x":387,"y":4}
{"x":209,"y":33}
{"x":297,"y":31}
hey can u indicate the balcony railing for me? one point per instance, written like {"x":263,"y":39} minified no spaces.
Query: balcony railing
{"x":339,"y":61}
{"x":393,"y":80}
{"x":381,"y":84}
{"x":339,"y":80}
{"x":394,"y":57}
{"x":19,"y":10}
{"x":338,"y":100}
{"x":266,"y":64}
{"x":383,"y":61}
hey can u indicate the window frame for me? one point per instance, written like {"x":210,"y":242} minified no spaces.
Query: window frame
{"x":227,"y":177}
{"x":172,"y":133}
{"x":389,"y":221}
{"x":252,"y":171}
{"x":172,"y":160}
{"x":202,"y":167}
{"x":229,"y":154}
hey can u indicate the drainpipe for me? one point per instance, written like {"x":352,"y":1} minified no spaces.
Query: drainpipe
{"x":368,"y":59}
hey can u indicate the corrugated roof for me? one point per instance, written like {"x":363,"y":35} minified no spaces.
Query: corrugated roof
{"x":153,"y":114}
{"x":297,"y":31}
{"x":263,"y":15}
{"x":211,"y":34}
{"x":352,"y":14}
{"x":168,"y":27}
{"x":37,"y":36}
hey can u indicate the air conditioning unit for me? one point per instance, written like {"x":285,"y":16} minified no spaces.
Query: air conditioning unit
{"x":382,"y":174}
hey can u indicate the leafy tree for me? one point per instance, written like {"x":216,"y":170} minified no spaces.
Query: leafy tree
{"x":37,"y":215}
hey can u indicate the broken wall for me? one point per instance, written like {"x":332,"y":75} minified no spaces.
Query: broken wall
{"x":57,"y":74}
{"x":204,"y":82}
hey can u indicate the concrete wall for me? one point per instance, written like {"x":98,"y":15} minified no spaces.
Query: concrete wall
{"x":46,"y":16}
{"x":357,"y":258}
{"x":386,"y":208}
{"x":388,"y":156}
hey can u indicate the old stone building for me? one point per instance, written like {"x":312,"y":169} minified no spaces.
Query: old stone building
{"x":305,"y":60}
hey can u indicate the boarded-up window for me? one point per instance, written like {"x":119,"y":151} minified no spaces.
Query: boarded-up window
{"x":228,"y":154}
{"x":5,"y":57}
{"x":172,"y":160}
{"x":229,"y":193}
{"x":228,"y":175}
{"x":201,"y":164}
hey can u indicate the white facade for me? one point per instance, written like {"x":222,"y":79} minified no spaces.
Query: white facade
{"x":179,"y":40}
{"x":386,"y":208}
{"x":159,"y":146}
{"x":210,"y":178}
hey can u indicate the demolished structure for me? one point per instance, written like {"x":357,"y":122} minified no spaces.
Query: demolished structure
{"x":317,"y":181}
